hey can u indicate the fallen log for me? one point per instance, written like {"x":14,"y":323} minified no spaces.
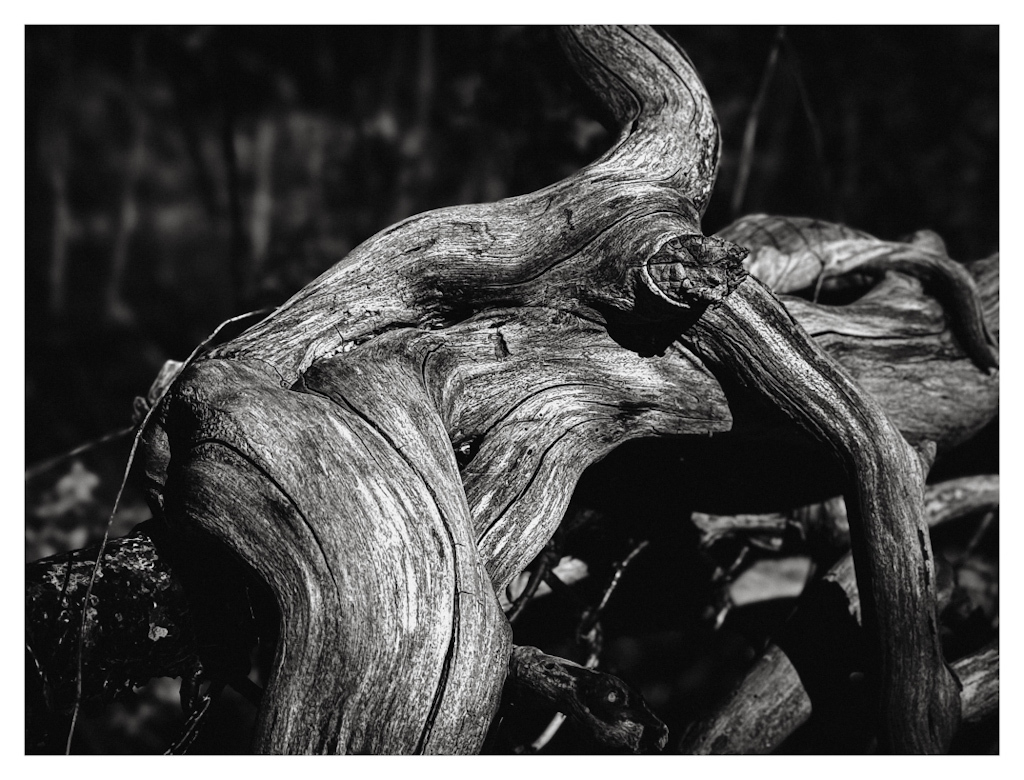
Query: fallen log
{"x":519,"y":342}
{"x":773,"y":699}
{"x":143,"y":629}
{"x":647,"y":406}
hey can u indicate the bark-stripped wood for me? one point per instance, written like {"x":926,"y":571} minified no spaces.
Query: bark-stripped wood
{"x":773,"y":710}
{"x":143,"y":629}
{"x":646,"y":393}
{"x":754,"y":341}
{"x":317,"y":447}
{"x":320,"y":529}
{"x":771,"y":701}
{"x":796,"y":254}
{"x":827,"y":525}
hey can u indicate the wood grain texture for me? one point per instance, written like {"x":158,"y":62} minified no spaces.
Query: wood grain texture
{"x":510,"y":385}
{"x":771,"y":701}
{"x":773,"y":360}
{"x":792,"y":254}
{"x":754,"y":340}
{"x":765,"y":712}
{"x":577,"y":243}
{"x":284,"y":459}
{"x":386,"y":609}
{"x":979,"y":675}
{"x":401,"y":437}
{"x":488,"y":396}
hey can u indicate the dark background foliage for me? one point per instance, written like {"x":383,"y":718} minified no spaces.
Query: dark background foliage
{"x":178,"y":176}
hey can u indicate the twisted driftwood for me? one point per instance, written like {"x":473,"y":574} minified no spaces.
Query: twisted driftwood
{"x":396,"y":442}
{"x":144,"y":629}
{"x":774,"y":698}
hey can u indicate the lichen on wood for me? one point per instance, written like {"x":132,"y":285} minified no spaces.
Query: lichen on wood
{"x":139,"y":625}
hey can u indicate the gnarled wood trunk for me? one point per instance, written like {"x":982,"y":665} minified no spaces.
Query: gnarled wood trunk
{"x":895,"y":339}
{"x":397,"y":441}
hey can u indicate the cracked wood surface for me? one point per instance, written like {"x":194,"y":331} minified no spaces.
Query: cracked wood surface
{"x":748,"y":339}
{"x":145,"y":629}
{"x":322,"y":446}
{"x":381,"y":589}
{"x":511,"y":408}
{"x":671,"y":395}
{"x":667,"y":395}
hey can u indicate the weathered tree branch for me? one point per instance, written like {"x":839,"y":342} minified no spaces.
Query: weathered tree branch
{"x":246,"y":418}
{"x":772,"y":699}
{"x":143,"y":629}
{"x":799,"y":254}
{"x":611,"y":712}
{"x":749,"y":337}
{"x":943,"y":501}
{"x":519,"y":342}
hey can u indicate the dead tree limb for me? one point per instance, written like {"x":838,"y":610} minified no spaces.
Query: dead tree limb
{"x":144,"y":629}
{"x":611,"y":712}
{"x":772,"y":701}
{"x":649,"y":404}
{"x":942,"y":501}
{"x":318,"y":450}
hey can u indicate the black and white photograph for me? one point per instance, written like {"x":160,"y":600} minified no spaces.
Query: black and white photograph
{"x":512,"y":389}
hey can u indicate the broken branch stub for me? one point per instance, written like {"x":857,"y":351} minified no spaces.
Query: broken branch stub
{"x":348,"y":503}
{"x":610,"y":711}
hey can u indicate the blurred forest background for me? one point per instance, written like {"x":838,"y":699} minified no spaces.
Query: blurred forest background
{"x":178,"y":176}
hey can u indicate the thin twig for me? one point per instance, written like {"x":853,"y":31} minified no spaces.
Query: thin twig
{"x":41,"y":468}
{"x":812,"y":120}
{"x":110,"y":521}
{"x":589,"y":631}
{"x":750,"y":133}
{"x":591,"y":618}
{"x":976,"y":538}
{"x":536,"y":576}
{"x":548,"y":734}
{"x":724,"y":610}
{"x":191,"y":730}
{"x":548,"y":558}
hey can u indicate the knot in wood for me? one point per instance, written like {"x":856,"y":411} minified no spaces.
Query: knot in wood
{"x":695,"y":270}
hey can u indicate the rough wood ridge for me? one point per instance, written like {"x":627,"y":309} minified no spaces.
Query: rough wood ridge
{"x":399,"y":439}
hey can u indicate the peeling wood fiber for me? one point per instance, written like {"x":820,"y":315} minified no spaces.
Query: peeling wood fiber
{"x":530,"y":336}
